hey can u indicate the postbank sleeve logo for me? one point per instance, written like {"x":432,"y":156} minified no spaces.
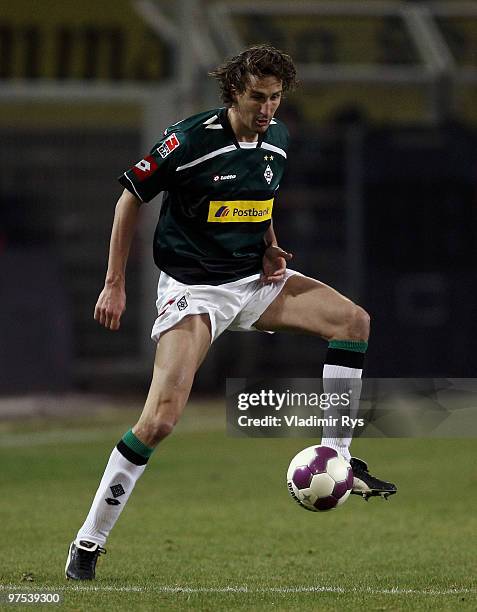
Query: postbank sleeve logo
{"x":168,"y":146}
{"x":240,"y":211}
{"x":145,"y":168}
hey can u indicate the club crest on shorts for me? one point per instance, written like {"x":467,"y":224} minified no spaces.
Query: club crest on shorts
{"x":182,"y":303}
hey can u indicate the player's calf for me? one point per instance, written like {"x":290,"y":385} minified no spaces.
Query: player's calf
{"x":153,"y":431}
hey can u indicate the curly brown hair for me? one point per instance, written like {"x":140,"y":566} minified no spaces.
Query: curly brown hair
{"x":257,"y":61}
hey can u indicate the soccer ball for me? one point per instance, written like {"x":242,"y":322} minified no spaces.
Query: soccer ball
{"x":319,"y":478}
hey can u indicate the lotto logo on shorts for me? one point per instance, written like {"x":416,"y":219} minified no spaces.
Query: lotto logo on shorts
{"x":168,"y":146}
{"x":145,"y":167}
{"x":239,"y":211}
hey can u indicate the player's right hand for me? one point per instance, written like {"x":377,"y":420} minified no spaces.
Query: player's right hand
{"x":274,"y":264}
{"x":110,"y":306}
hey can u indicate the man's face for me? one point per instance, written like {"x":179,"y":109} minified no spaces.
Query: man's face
{"x":256,"y":106}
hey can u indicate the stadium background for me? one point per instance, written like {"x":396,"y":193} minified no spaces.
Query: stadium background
{"x":379,"y":199}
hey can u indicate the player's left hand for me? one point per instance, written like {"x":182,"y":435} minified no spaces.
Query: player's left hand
{"x":274,"y":264}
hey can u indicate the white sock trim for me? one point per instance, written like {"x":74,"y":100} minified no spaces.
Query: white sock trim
{"x":336,"y":379}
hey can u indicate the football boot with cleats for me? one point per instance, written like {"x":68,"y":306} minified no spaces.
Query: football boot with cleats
{"x":367,"y":485}
{"x":82,"y":558}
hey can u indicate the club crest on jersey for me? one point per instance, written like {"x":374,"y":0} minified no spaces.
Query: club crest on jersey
{"x":168,"y":146}
{"x":145,"y":167}
{"x":268,"y":174}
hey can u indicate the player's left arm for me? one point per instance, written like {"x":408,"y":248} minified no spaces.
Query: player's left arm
{"x":274,"y":263}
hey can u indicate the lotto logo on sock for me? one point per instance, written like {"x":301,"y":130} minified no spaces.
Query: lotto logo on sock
{"x":117,"y":490}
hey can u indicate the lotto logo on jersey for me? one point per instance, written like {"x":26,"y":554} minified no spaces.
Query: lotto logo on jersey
{"x":168,"y":146}
{"x":145,"y":167}
{"x":239,"y":211}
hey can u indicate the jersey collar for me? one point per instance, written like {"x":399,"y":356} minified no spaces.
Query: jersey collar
{"x":225,"y":123}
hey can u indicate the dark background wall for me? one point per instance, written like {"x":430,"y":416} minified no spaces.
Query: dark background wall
{"x":418,"y":277}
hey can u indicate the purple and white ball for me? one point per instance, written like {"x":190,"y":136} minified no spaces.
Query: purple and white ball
{"x":319,"y":478}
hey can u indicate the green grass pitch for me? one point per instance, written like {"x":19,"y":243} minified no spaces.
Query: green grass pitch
{"x":211,"y":525}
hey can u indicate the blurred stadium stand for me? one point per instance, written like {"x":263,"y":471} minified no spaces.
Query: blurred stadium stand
{"x":379,"y":198}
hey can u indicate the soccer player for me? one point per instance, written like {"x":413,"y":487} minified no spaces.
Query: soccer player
{"x":221,"y":268}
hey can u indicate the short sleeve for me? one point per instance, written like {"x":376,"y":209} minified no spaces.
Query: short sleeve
{"x":155,"y":172}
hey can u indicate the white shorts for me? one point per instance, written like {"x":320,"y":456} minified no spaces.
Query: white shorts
{"x":234,"y":306}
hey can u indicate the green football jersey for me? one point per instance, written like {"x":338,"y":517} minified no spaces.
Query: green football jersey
{"x":218,"y":197}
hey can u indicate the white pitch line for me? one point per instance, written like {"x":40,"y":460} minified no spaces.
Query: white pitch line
{"x":57,"y":436}
{"x":240,"y":589}
{"x":81,"y":436}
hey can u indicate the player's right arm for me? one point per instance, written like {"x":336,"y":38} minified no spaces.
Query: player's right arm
{"x":112,"y":300}
{"x":153,"y":174}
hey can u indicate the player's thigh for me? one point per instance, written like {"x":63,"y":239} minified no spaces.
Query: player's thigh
{"x":307,"y":305}
{"x":179,"y":353}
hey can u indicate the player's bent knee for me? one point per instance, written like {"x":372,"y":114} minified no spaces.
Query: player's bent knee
{"x":359,"y":323}
{"x":355,"y":324}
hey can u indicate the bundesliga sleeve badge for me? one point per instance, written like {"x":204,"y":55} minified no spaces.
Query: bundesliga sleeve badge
{"x":168,"y":146}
